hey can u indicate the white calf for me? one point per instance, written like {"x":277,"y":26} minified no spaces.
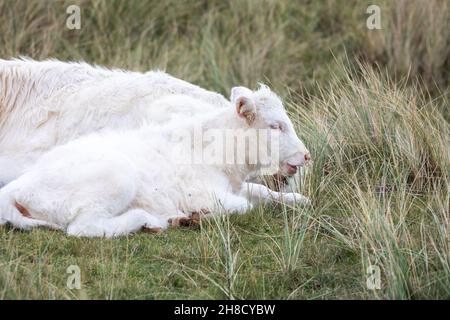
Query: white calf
{"x":115,"y":183}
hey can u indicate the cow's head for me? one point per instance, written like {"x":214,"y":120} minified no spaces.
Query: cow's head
{"x":263,"y":109}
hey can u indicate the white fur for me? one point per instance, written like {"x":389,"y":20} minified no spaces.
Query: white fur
{"x":48,"y":103}
{"x":113,"y":183}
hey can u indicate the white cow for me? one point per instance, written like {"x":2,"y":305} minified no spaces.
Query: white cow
{"x":117,"y":182}
{"x":48,"y":103}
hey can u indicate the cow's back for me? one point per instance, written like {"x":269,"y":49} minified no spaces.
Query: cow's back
{"x":43,"y":104}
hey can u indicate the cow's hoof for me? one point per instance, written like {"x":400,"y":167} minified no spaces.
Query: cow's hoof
{"x":153,"y":230}
{"x":185,"y":222}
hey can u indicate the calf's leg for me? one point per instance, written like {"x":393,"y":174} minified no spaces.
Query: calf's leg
{"x":227,"y":203}
{"x":11,"y":211}
{"x":258,"y":193}
{"x":102,"y":225}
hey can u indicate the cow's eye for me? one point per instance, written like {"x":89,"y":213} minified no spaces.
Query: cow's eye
{"x":275,"y":126}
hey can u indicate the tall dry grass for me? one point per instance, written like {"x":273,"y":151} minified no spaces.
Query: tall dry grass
{"x":380,"y":180}
{"x":414,"y":40}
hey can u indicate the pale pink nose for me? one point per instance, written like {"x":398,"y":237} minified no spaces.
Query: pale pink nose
{"x":307,"y":157}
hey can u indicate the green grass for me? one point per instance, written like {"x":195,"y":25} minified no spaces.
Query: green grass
{"x":180,"y":264}
{"x":372,"y":106}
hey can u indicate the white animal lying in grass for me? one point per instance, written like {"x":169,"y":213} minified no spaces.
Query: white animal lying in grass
{"x":48,"y":103}
{"x":115,"y":183}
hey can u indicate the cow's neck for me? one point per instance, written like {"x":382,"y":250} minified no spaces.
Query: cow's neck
{"x":222,"y":119}
{"x":226,"y":119}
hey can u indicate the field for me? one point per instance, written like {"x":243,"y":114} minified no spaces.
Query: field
{"x":372,"y":106}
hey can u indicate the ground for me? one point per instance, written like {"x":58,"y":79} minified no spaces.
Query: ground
{"x":372,"y":106}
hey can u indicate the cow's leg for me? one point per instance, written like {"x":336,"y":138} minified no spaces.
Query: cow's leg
{"x":231,"y":203}
{"x":107,"y":190}
{"x":17,"y":215}
{"x":228,"y":203}
{"x":257,"y":193}
{"x":25,"y":223}
{"x":103,"y":225}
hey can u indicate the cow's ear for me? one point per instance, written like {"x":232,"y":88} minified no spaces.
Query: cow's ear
{"x":242,"y":98}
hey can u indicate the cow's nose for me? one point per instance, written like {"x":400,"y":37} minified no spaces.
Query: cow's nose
{"x":307,"y":157}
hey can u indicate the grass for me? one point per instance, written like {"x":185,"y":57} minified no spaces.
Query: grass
{"x":372,"y":106}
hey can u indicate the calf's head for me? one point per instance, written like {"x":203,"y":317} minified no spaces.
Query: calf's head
{"x":263,"y":109}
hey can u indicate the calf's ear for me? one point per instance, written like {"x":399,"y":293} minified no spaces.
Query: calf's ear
{"x":241,"y":97}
